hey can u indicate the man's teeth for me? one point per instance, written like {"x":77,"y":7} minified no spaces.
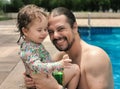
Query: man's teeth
{"x":60,"y":41}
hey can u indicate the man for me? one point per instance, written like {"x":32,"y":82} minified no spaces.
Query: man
{"x":95,"y":66}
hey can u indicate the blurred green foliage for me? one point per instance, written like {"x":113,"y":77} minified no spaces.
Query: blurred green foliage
{"x":75,"y":5}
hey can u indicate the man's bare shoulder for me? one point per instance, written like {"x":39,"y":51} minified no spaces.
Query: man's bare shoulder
{"x":96,"y":67}
{"x":97,"y":52}
{"x":96,"y":57}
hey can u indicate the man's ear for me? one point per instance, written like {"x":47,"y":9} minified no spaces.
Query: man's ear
{"x":25,"y":31}
{"x":75,"y":28}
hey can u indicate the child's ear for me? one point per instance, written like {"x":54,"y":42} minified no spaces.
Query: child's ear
{"x":25,"y":31}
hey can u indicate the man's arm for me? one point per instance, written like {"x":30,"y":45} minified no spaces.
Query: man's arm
{"x":40,"y":81}
{"x":99,"y":71}
{"x":29,"y":83}
{"x":43,"y":82}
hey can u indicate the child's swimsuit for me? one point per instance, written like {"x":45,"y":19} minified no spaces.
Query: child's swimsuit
{"x":36,"y":58}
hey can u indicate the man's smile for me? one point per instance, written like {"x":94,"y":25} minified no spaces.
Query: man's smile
{"x":59,"y":41}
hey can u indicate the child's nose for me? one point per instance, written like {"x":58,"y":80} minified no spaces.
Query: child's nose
{"x":44,"y":33}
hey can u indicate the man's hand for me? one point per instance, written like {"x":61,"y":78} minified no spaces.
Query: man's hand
{"x":43,"y":81}
{"x":29,"y":83}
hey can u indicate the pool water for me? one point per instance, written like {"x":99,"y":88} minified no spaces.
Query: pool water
{"x":107,"y":38}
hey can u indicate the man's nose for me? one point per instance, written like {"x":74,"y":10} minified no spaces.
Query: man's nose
{"x":56,"y":34}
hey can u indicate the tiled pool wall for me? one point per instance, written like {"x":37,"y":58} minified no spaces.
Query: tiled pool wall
{"x":99,"y":30}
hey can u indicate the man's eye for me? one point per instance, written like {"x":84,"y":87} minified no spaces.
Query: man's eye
{"x":50,"y":32}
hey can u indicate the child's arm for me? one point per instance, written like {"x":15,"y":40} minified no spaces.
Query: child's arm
{"x":58,"y":56}
{"x":37,"y":66}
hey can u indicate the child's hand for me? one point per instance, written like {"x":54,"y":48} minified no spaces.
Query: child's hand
{"x":66,"y":62}
{"x":65,"y":56}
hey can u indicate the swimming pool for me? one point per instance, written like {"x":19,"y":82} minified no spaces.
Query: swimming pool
{"x":107,"y":38}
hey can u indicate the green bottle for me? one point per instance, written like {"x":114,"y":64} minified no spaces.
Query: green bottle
{"x":58,"y":76}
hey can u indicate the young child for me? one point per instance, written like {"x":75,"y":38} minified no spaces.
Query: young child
{"x":32,"y":23}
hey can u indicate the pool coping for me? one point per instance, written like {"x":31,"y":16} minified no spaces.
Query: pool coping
{"x":99,"y":22}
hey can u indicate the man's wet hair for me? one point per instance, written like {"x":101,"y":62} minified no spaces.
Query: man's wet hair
{"x":64,"y":11}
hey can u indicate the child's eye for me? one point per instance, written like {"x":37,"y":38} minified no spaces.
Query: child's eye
{"x":39,"y":30}
{"x":45,"y":29}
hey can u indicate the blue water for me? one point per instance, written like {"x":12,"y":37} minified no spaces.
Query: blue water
{"x":107,"y":38}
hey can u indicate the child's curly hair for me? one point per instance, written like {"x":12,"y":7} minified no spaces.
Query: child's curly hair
{"x":26,"y":15}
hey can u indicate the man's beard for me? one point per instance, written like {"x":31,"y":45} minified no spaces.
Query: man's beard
{"x":69,"y":44}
